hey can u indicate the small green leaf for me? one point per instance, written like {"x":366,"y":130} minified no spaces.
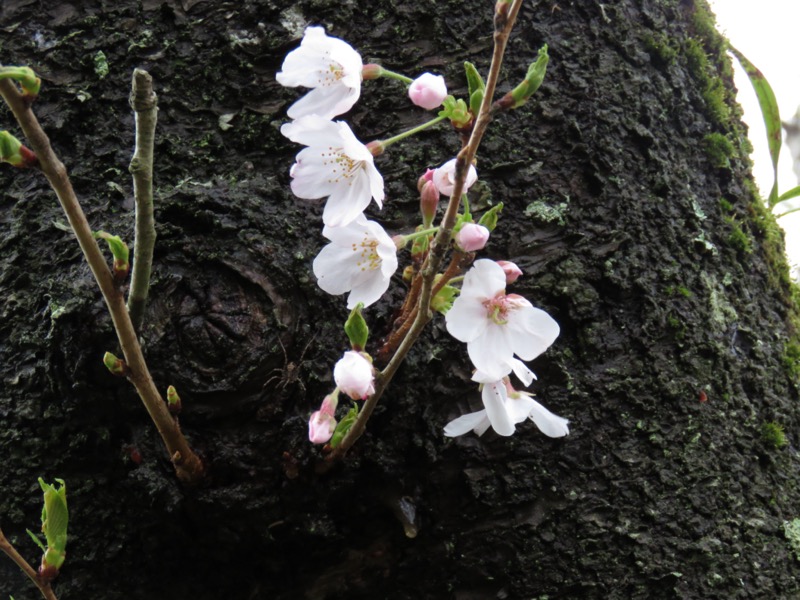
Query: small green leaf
{"x":792,"y":193}
{"x":474,"y":80}
{"x":356,"y":328}
{"x":770,"y":113}
{"x":344,"y":426}
{"x":119,"y":249}
{"x":36,"y":540}
{"x":489,"y":218}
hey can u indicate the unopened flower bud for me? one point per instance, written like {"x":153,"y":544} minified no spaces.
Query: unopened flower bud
{"x":472,"y":237}
{"x":511,"y":270}
{"x":428,"y":203}
{"x":354,"y":376}
{"x":371,"y":71}
{"x":322,"y":423}
{"x":376,"y":147}
{"x":428,"y":91}
{"x":428,"y":176}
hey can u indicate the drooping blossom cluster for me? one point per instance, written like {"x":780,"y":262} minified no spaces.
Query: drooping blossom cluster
{"x":501,"y":330}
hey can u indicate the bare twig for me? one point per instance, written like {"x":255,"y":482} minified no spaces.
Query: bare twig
{"x":43,"y":585}
{"x":188,"y":465}
{"x":145,"y":104}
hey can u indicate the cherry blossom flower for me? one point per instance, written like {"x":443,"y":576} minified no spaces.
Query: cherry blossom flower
{"x":472,"y":237}
{"x":496,"y":325}
{"x":444,"y":177}
{"x":360,"y":259}
{"x":322,"y":423}
{"x":511,"y":270}
{"x":330,"y":67}
{"x":354,"y":375}
{"x":336,"y":165}
{"x":505,"y":407}
{"x":428,"y":91}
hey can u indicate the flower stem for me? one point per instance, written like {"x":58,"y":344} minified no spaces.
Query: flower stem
{"x":44,"y":586}
{"x":440,"y":244}
{"x":392,"y":75}
{"x":144,"y":102}
{"x":187,"y":464}
{"x":418,"y":234}
{"x":410,"y":132}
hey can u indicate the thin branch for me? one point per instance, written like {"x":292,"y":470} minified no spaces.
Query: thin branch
{"x":187,"y":464}
{"x":440,"y":243}
{"x":44,"y":586}
{"x":144,"y":102}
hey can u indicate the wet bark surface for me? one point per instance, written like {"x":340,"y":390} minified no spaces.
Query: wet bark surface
{"x":650,"y":252}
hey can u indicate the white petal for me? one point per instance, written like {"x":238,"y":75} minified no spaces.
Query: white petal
{"x":522,"y":371}
{"x":484,"y":280}
{"x":333,"y":268}
{"x":494,"y":399}
{"x":325,"y":102}
{"x":548,"y":423}
{"x":368,"y":291}
{"x":531,"y":331}
{"x":520,"y":408}
{"x":491,"y":352}
{"x":465,"y":423}
{"x":466,"y":320}
{"x":346,"y":202}
{"x":313,"y":130}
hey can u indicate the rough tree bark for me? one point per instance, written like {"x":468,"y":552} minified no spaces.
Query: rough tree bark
{"x":638,"y":230}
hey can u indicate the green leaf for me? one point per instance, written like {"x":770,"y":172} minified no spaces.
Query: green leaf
{"x":344,"y":426}
{"x":792,"y":193}
{"x":356,"y":328}
{"x":772,"y":117}
{"x":36,"y":540}
{"x":119,"y":249}
{"x":55,"y":518}
{"x":489,"y":218}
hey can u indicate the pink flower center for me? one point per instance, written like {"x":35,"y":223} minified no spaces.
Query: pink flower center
{"x":497,"y":308}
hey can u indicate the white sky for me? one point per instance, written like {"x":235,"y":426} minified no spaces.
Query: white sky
{"x":766,"y":33}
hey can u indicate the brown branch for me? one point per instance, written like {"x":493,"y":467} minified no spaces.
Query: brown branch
{"x":188,"y":465}
{"x":43,"y":585}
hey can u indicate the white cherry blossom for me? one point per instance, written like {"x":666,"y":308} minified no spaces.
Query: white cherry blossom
{"x":335,"y":165}
{"x":495,"y":325}
{"x":360,"y":259}
{"x":328,"y":65}
{"x":505,"y":407}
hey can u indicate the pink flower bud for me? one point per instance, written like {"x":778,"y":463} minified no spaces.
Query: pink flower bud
{"x":472,"y":237}
{"x":322,"y":423}
{"x":428,"y":176}
{"x":444,"y":177}
{"x":371,"y":71}
{"x":428,"y":91}
{"x":511,"y":270}
{"x":320,"y":427}
{"x":428,"y":202}
{"x":353,"y":375}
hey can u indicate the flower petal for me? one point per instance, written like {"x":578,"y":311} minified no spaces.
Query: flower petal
{"x":491,"y":352}
{"x":494,"y":399}
{"x":548,"y":423}
{"x":531,"y":331}
{"x":466,"y":320}
{"x":465,"y":423}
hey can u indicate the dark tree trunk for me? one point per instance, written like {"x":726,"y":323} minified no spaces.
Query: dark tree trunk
{"x":637,"y":231}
